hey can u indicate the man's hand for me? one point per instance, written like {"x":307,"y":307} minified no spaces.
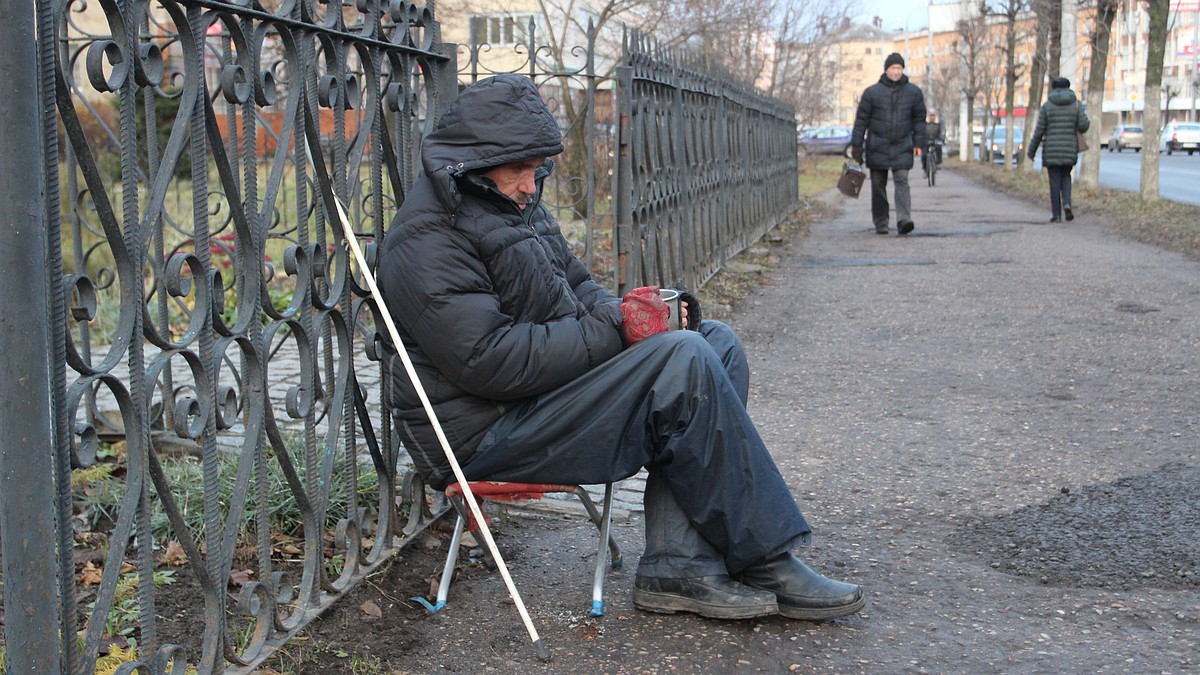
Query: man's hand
{"x":644,"y":314}
{"x":856,"y":153}
{"x":916,"y":151}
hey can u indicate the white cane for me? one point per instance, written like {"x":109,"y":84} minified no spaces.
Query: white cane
{"x":542,"y":653}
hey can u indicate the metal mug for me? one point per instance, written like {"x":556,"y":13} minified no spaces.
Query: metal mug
{"x":671,"y":297}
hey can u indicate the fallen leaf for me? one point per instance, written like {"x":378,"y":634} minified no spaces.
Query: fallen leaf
{"x":240,"y":578}
{"x":371,"y":609}
{"x":90,"y":576}
{"x":173,"y":554}
{"x":288,"y":549}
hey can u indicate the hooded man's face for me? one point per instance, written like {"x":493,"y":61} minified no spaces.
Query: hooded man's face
{"x":894,"y":72}
{"x":516,"y":179}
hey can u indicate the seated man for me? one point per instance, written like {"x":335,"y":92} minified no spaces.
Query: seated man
{"x":933,"y":132}
{"x":537,"y":376}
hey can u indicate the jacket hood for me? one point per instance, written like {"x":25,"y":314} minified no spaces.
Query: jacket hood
{"x":492,"y":122}
{"x":1061,"y":97}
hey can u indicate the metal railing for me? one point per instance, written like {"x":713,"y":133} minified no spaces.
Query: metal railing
{"x":214,"y":347}
{"x":706,"y":166}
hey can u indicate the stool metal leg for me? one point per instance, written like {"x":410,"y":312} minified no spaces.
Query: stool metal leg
{"x":604,"y":523}
{"x":460,"y":524}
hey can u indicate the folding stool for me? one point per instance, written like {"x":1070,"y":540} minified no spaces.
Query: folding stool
{"x":504,"y":491}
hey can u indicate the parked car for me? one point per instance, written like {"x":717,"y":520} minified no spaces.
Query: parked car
{"x":995,"y":142}
{"x":1125,"y":136}
{"x":1180,"y":136}
{"x":825,"y":141}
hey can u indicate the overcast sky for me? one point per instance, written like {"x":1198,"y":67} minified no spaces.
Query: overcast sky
{"x":895,"y":13}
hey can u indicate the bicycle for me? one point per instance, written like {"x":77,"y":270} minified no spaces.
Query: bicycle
{"x":931,"y":164}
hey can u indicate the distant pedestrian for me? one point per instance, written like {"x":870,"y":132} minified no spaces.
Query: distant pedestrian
{"x":933,"y":134}
{"x":1059,"y":120}
{"x":891,"y":125}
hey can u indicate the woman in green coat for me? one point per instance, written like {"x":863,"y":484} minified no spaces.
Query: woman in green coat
{"x":1061,"y":117}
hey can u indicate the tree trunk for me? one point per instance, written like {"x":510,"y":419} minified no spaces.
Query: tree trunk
{"x":1037,"y":74}
{"x":1054,"y":62}
{"x":1010,"y":84}
{"x":1106,"y":10}
{"x":1152,"y":118}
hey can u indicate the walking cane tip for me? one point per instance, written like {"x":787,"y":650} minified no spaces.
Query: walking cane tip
{"x":542,"y":653}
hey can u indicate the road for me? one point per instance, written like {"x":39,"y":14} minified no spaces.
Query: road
{"x":1178,"y":174}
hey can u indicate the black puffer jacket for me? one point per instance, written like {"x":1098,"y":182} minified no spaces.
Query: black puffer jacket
{"x":489,"y":301}
{"x":1060,"y":117}
{"x":891,"y":116}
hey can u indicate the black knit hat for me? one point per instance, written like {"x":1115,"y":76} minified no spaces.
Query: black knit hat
{"x":893,"y":59}
{"x":1060,"y":83}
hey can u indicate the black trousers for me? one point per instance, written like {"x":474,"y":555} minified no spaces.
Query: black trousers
{"x":674,"y":403}
{"x":1060,"y":189}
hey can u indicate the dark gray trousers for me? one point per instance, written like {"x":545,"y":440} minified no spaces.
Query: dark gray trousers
{"x":674,"y":403}
{"x":879,"y":198}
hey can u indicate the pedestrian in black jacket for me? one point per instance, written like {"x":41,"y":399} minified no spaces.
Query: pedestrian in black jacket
{"x":1060,"y":118}
{"x":891,"y":125}
{"x":539,"y":374}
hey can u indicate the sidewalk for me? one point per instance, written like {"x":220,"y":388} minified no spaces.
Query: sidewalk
{"x":990,"y":423}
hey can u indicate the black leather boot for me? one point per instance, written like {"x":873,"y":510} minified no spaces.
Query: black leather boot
{"x":801,"y":592}
{"x":715,"y":597}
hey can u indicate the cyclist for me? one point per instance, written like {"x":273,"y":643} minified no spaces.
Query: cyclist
{"x":933,"y":132}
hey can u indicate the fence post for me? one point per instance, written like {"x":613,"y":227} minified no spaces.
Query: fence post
{"x":625,"y":246}
{"x":27,"y":505}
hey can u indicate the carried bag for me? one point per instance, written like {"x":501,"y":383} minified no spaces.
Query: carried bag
{"x":1080,"y":140}
{"x":851,"y":181}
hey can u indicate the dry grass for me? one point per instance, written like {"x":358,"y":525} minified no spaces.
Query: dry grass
{"x":1162,"y":223}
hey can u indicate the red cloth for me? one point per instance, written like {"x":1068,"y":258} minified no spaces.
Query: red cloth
{"x":644,"y":314}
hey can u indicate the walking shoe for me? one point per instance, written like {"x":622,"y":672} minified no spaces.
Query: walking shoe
{"x":801,"y":592}
{"x":715,"y":597}
{"x":905,"y":226}
{"x":1055,"y":219}
{"x":881,"y":230}
{"x":1069,"y":213}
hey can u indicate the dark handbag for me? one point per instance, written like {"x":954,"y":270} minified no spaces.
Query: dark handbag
{"x":1081,"y":143}
{"x":851,"y":181}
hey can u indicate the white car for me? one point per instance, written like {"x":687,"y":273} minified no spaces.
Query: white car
{"x":1180,"y":136}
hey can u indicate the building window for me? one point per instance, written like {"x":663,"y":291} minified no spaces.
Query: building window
{"x":500,"y":29}
{"x":859,"y":66}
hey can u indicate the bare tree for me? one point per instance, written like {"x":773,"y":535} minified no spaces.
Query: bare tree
{"x":1037,"y":68}
{"x":1054,"y":26}
{"x":780,"y":45}
{"x":971,"y":48}
{"x":1152,"y":117}
{"x":1009,"y":10}
{"x":1106,"y":11}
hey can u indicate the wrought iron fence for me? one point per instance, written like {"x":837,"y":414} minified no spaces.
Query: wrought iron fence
{"x":214,"y":389}
{"x":217,"y":345}
{"x":706,"y":166}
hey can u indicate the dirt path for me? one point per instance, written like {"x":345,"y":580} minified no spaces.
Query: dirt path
{"x":992,"y":425}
